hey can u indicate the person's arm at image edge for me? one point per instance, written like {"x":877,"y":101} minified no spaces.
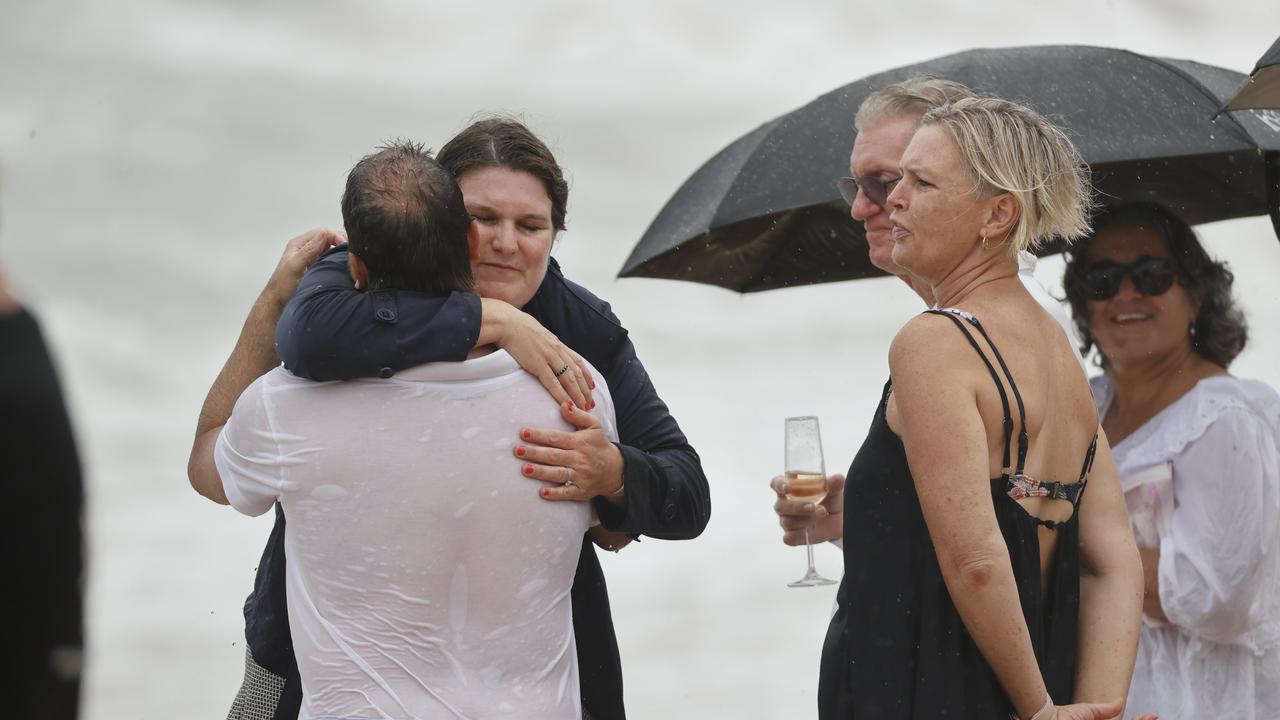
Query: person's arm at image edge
{"x":254,"y":355}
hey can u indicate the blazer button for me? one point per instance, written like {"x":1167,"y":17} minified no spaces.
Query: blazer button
{"x":386,"y":372}
{"x":669,"y":512}
{"x":385,"y":315}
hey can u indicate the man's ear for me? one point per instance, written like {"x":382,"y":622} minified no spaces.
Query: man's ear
{"x":359,"y":271}
{"x":1002,"y":215}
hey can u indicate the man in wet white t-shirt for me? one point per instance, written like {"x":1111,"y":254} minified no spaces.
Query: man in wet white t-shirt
{"x":422,"y":581}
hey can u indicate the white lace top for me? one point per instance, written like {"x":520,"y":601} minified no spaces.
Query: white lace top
{"x":1202,"y":481}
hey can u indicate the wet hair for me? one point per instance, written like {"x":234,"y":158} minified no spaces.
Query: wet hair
{"x":913,"y":96}
{"x":1220,"y":328}
{"x":1010,"y":148}
{"x":405,"y":218}
{"x":502,"y":141}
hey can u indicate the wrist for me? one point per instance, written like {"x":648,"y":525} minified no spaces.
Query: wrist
{"x":495,"y":322}
{"x":1046,"y":711}
{"x":618,"y":497}
{"x":279,"y":289}
{"x":622,"y":489}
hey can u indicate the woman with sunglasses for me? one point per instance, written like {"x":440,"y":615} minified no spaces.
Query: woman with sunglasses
{"x":1198,"y":452}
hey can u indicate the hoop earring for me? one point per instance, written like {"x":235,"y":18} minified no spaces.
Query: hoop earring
{"x":984,"y":242}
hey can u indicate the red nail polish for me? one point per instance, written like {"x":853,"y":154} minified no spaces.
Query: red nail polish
{"x":520,"y":451}
{"x":591,"y":405}
{"x":526,"y":434}
{"x":528,"y":469}
{"x":545,"y":492}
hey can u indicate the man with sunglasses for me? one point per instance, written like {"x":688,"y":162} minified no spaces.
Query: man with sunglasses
{"x":885,"y":123}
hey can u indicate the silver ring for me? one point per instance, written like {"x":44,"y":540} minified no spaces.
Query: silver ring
{"x":568,"y":480}
{"x":562,"y":370}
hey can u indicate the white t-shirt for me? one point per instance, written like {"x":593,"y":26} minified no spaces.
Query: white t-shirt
{"x":426,"y":577}
{"x":1202,"y":482}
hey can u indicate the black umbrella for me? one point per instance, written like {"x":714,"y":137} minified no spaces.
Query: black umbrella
{"x":1262,"y":89}
{"x":764,"y":212}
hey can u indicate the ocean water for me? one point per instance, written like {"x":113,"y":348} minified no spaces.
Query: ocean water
{"x":157,"y":155}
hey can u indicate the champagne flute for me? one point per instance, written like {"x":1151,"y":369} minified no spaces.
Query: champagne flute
{"x":806,"y":477}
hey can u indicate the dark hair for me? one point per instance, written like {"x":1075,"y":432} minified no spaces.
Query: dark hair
{"x":405,"y":219}
{"x":505,"y":142}
{"x":1219,"y":331}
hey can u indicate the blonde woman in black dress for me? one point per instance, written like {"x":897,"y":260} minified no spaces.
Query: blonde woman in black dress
{"x":989,"y":567}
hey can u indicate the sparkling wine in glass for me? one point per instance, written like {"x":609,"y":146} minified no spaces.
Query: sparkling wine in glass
{"x":806,"y":477}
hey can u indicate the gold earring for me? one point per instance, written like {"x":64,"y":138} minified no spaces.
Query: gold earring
{"x":984,"y":241}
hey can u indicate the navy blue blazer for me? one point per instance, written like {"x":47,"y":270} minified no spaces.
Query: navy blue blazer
{"x":328,"y":331}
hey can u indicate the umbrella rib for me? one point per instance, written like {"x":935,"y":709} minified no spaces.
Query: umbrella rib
{"x":772,"y":125}
{"x":1191,"y":79}
{"x":783,"y":220}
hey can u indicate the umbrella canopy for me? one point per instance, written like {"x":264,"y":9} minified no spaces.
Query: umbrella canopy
{"x":1262,"y":89}
{"x":764,"y":212}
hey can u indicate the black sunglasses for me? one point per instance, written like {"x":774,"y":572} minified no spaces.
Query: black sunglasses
{"x":876,"y":190}
{"x":1151,"y":276}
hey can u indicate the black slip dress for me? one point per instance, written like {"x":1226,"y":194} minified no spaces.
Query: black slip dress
{"x":896,"y":647}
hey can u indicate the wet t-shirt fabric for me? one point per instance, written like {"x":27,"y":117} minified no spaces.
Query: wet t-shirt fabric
{"x":427,"y":578}
{"x":897,"y":648}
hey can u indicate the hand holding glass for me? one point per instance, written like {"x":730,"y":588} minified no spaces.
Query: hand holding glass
{"x":806,"y":478}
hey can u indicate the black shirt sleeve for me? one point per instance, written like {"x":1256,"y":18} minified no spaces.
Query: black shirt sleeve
{"x":331,"y":331}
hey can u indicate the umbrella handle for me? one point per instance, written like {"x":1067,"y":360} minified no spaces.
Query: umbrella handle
{"x":1272,"y":164}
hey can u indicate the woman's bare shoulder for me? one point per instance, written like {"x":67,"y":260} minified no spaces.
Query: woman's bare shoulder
{"x":925,"y":334}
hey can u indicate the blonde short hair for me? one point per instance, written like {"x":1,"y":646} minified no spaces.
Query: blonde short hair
{"x":1011,"y":148}
{"x":913,"y":96}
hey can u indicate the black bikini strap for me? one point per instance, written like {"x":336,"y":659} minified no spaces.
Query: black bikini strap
{"x":1088,"y":460}
{"x":1023,"y":441}
{"x":1004,"y":398}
